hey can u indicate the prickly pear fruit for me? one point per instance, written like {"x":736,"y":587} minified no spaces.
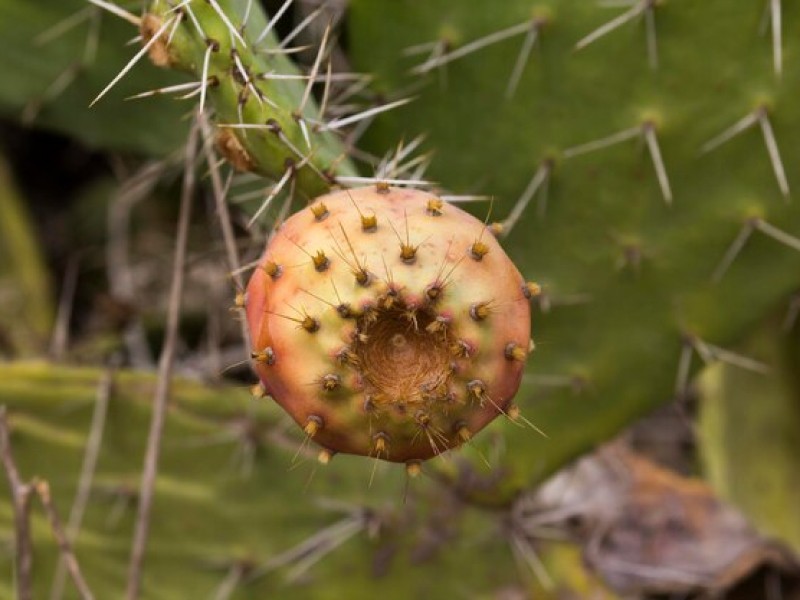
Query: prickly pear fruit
{"x":268,"y":123}
{"x":388,"y":323}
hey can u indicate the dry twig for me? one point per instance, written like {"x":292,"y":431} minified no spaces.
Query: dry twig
{"x":21,"y":501}
{"x":147,"y":486}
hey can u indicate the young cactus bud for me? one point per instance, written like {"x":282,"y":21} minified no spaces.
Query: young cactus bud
{"x":220,"y":44}
{"x":420,"y":361}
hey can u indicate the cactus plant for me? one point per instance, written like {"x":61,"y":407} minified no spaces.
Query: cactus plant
{"x":640,"y":267}
{"x":648,"y":260}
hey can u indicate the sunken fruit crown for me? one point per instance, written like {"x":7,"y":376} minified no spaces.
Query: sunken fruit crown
{"x":388,"y":323}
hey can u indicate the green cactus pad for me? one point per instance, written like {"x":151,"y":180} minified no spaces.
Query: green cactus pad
{"x":626,"y":254}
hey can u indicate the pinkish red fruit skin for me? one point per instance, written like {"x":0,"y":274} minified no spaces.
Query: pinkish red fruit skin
{"x":423,"y":421}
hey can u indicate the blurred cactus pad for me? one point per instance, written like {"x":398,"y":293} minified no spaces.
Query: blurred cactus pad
{"x":640,"y":160}
{"x":235,"y":501}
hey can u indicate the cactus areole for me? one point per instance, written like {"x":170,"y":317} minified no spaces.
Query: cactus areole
{"x":388,"y":323}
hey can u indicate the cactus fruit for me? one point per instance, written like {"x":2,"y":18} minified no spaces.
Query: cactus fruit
{"x":388,"y":323}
